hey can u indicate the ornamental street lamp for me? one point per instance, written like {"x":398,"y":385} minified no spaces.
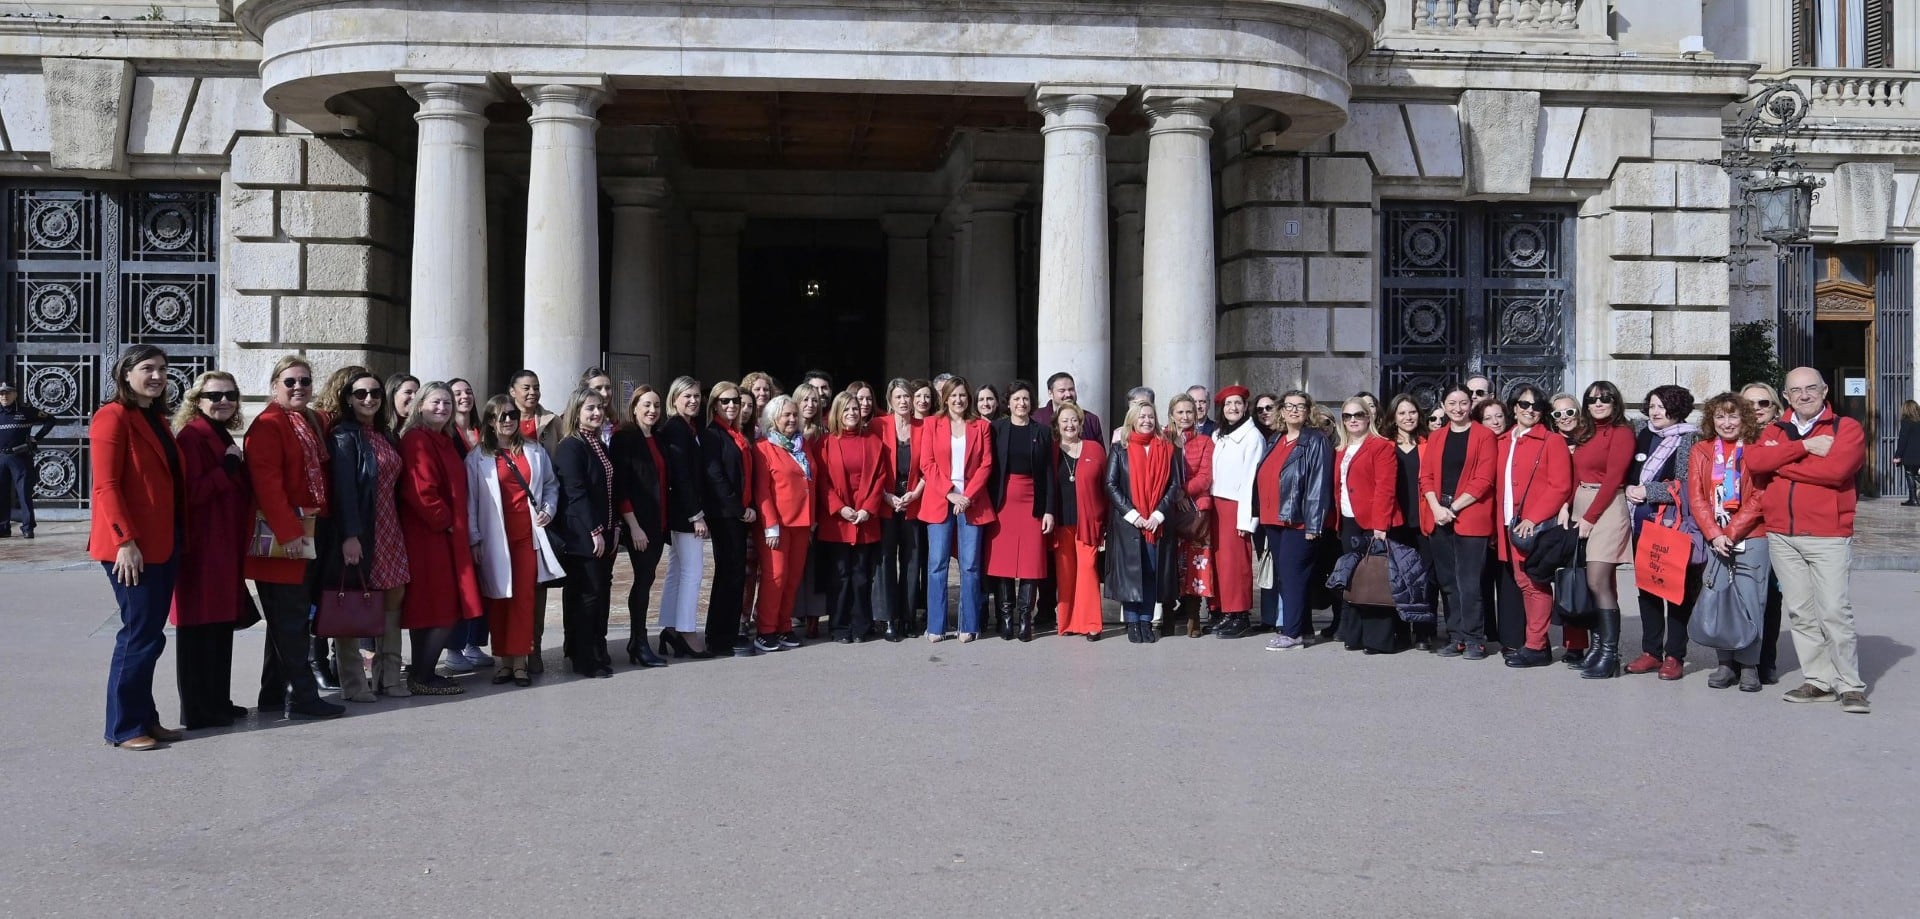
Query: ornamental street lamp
{"x":1775,"y":200}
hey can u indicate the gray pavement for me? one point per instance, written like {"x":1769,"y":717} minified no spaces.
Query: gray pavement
{"x":1185,"y":778}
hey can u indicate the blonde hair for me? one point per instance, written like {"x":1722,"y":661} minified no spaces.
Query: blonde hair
{"x":1064,"y":410}
{"x":845,"y":400}
{"x":1174,"y":403}
{"x":190,"y":403}
{"x":418,"y":419}
{"x":569,"y":422}
{"x":713,"y":399}
{"x":1134,"y":412}
{"x":680,"y":387}
{"x":811,"y":427}
{"x":1346,"y":439}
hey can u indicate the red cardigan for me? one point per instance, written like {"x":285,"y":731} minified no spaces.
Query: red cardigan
{"x":783,"y":495}
{"x":1749,"y":519}
{"x":1604,"y":460}
{"x":134,"y":494}
{"x":1539,"y":492}
{"x":1198,"y":452}
{"x":280,"y":485}
{"x":1372,"y":484}
{"x":853,"y":476}
{"x":1476,"y":479}
{"x":889,"y":441}
{"x":936,"y":466}
{"x":1089,"y":491}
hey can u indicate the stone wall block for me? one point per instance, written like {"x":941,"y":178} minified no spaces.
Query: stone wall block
{"x":348,"y":268}
{"x":1265,"y":229}
{"x":1636,"y":377}
{"x":89,"y":102}
{"x":251,"y":364}
{"x":1702,"y":284}
{"x":269,"y":161}
{"x":1632,"y":332}
{"x":1701,"y":186}
{"x":1262,"y":373}
{"x":1263,"y":180}
{"x":1642,"y":283}
{"x":1353,"y":229}
{"x":1262,"y":327}
{"x":1339,"y":376}
{"x":339,"y":162}
{"x":1691,"y":332}
{"x":1497,"y":130}
{"x":263,"y":265}
{"x":1343,"y":280}
{"x":1353,"y":330}
{"x":1691,"y":234}
{"x":246,"y":318}
{"x":1644,"y":185}
{"x":1632,"y":233}
{"x":1607,"y":136}
{"x":1340,"y":180}
{"x":1263,"y":279}
{"x":331,"y":320}
{"x":249,"y":213}
{"x":1863,"y":201}
{"x":327,"y":215}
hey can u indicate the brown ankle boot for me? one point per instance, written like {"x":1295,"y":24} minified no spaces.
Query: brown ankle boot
{"x":1193,"y":617}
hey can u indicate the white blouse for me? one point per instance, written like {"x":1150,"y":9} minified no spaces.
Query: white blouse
{"x":959,"y":466}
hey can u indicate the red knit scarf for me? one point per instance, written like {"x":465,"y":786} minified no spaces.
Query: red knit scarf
{"x":1149,"y":465}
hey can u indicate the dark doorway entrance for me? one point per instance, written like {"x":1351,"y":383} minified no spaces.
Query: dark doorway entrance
{"x":813,"y":295}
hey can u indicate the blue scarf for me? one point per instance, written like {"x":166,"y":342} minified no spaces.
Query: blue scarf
{"x":796,"y":447}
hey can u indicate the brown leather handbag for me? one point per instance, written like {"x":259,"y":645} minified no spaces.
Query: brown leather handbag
{"x":351,"y":612}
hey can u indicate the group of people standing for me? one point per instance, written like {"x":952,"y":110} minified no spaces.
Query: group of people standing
{"x":450,"y":517}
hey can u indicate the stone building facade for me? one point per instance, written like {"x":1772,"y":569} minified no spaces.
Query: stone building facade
{"x":1339,"y":195}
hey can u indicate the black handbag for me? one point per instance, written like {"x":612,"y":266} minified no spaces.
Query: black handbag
{"x":1572,"y":598}
{"x":1526,"y":543}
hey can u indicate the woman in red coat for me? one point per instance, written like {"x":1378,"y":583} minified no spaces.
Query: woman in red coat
{"x":442,"y":591}
{"x":783,"y":474}
{"x":1196,"y":558}
{"x":1533,"y":483}
{"x":1456,"y":481}
{"x":1080,"y":523}
{"x":956,"y":459}
{"x":287,"y":461}
{"x":210,"y":597}
{"x":850,"y":481}
{"x":139,"y":508}
{"x":1365,"y":481}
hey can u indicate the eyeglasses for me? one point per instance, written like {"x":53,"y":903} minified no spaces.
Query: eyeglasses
{"x":1564,"y":413}
{"x":1526,"y":405}
{"x":1806,"y":390}
{"x":1353,"y":416}
{"x":1293,"y":407}
{"x":1760,"y":403}
{"x":296,"y":382}
{"x":1600,"y":399}
{"x":226,"y":396}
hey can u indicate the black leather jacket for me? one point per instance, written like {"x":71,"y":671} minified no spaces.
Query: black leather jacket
{"x":1306,"y":480}
{"x":354,"y":486}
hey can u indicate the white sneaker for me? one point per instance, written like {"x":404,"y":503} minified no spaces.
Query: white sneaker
{"x":477,"y":657}
{"x":456,"y":662}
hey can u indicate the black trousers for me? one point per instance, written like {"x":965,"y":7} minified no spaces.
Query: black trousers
{"x":203,"y":670}
{"x":902,"y":570}
{"x":1459,"y":563}
{"x":1663,"y":625}
{"x":851,"y":589}
{"x":646,"y":567}
{"x":1509,"y":625}
{"x":285,"y":665}
{"x":1770,"y":628}
{"x":1375,"y":628}
{"x":728,"y":539}
{"x":584,"y":605}
{"x":16,"y":491}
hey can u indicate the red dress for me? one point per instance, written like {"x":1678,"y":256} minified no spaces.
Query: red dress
{"x":510,"y":619}
{"x":1196,"y":558}
{"x":389,"y":541}
{"x":433,"y":516}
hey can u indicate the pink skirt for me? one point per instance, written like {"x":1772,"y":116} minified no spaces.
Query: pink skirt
{"x":1015,"y":547}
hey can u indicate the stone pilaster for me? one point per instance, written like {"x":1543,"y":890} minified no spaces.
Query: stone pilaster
{"x":636,"y":327}
{"x":448,"y":317}
{"x":984,"y":333}
{"x":908,"y":306}
{"x":562,"y":336}
{"x":1074,"y":334}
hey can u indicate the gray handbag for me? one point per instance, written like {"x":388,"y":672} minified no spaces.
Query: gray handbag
{"x":1722,"y":618}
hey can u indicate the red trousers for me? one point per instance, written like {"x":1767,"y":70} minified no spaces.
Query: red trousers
{"x":510,"y":619}
{"x":780,"y":573}
{"x":1078,"y":583}
{"x":1537,"y":602}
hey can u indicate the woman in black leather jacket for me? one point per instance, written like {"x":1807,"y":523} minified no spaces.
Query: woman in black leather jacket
{"x":1141,"y":547}
{"x":1292,"y":494}
{"x":365,"y":469}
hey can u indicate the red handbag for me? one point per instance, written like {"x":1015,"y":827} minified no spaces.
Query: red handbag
{"x":351,"y":612}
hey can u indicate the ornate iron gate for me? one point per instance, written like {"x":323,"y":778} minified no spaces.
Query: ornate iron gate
{"x":1475,"y":288}
{"x":88,"y":270}
{"x":1893,"y":341}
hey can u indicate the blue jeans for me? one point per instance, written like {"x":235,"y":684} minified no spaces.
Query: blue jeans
{"x":1149,"y":587}
{"x":136,"y":650}
{"x":940,"y":540}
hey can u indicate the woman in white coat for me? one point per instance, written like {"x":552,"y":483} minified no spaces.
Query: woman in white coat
{"x":1237,"y":446}
{"x":511,"y":495}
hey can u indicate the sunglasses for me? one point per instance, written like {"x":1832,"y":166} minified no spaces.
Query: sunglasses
{"x":1526,"y":405}
{"x":728,"y":400}
{"x":367,"y":395}
{"x":1353,"y":416}
{"x":1477,"y":393}
{"x":1760,"y":403}
{"x":1264,"y":409}
{"x":296,"y":382}
{"x":1565,"y":413}
{"x":1601,"y":399}
{"x":510,"y":416}
{"x":228,"y":396}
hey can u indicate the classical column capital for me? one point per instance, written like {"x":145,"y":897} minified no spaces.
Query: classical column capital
{"x":991,"y":197}
{"x":449,"y":95}
{"x":719,"y":223}
{"x":906,"y":226}
{"x":635,"y":191}
{"x":1183,"y":109}
{"x":1075,"y":107}
{"x":563,"y":97}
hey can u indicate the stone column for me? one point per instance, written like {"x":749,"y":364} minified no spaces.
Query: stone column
{"x":1177,"y":287}
{"x":716,"y":331}
{"x":984,"y":322}
{"x":909,"y":325}
{"x":1129,"y":201}
{"x":449,"y":321}
{"x":563,"y":230}
{"x":1074,"y":334}
{"x":636,"y":319}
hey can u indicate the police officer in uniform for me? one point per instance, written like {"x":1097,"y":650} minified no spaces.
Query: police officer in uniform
{"x":18,"y":439}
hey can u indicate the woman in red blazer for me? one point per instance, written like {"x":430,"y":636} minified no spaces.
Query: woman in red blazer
{"x":443,"y":590}
{"x":850,"y":481}
{"x":1195,"y":558}
{"x":901,"y":533}
{"x":210,"y":598}
{"x":1365,"y":477}
{"x":287,"y":460}
{"x":956,"y":458}
{"x":1080,"y":523}
{"x":139,"y":508}
{"x":1533,"y":484}
{"x":1456,"y":480}
{"x":783,"y":476}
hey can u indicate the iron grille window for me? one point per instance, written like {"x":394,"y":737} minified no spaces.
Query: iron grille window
{"x":88,"y":270}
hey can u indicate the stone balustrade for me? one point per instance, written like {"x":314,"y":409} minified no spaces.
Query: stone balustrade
{"x":1840,"y":92}
{"x":1498,"y":15}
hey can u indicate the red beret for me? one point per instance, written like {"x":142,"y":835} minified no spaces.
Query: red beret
{"x":1235,"y":390}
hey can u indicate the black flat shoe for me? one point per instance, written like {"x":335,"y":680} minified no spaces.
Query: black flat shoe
{"x":1530,"y":657}
{"x":844,"y":640}
{"x":603,"y":673}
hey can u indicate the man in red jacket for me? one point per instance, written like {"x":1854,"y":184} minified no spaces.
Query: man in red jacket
{"x":1810,"y":459}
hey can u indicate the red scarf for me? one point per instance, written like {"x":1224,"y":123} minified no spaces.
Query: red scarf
{"x":1147,"y":472}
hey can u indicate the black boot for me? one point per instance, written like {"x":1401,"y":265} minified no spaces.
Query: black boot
{"x":1233,"y":626}
{"x":1025,"y":593}
{"x":1133,"y":631}
{"x":1604,"y":662}
{"x":640,"y":651}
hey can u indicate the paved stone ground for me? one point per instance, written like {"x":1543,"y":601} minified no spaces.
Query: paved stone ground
{"x":1191,"y":777}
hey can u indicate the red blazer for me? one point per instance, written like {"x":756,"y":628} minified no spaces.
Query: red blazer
{"x":883,"y":431}
{"x":783,"y":494}
{"x":1539,"y":492}
{"x":859,"y":489}
{"x":1749,"y":519}
{"x":1476,"y":479}
{"x":280,"y":485}
{"x":134,"y":493}
{"x":936,"y":466}
{"x":210,"y":587}
{"x":1371,"y":483}
{"x":1198,"y":452}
